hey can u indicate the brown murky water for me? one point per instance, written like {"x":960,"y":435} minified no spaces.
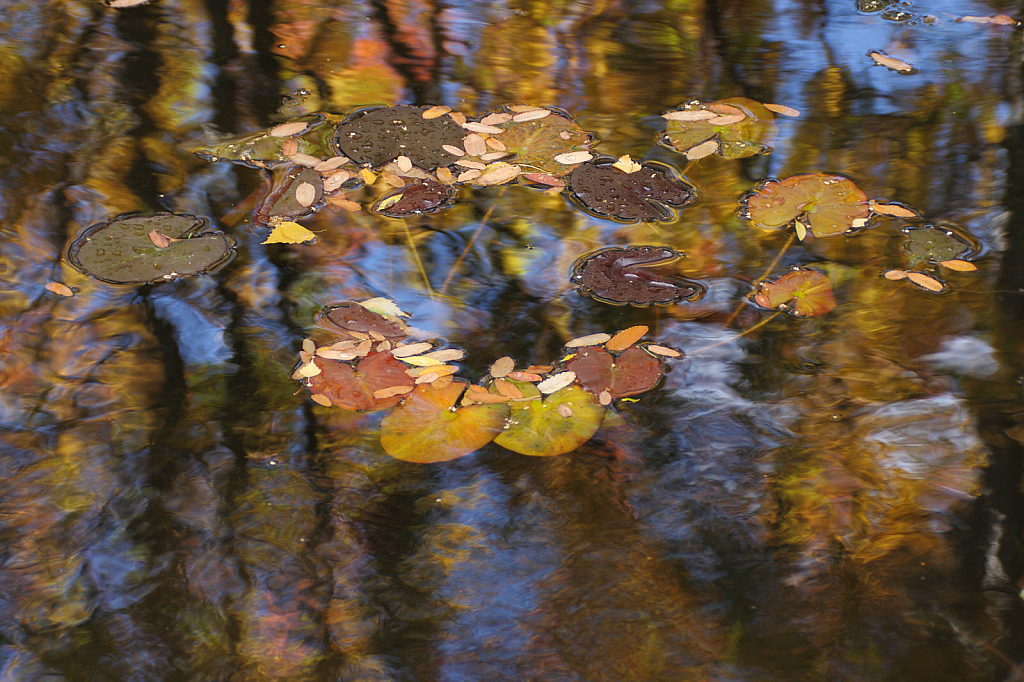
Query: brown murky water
{"x":835,"y":498}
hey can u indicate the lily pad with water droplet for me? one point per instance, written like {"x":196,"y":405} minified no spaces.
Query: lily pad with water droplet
{"x":929,"y":244}
{"x":376,"y":136}
{"x":417,"y":198}
{"x":295,"y":192}
{"x":801,"y":293}
{"x":559,"y":423}
{"x":263,"y":149}
{"x":120,"y":251}
{"x":621,"y":275}
{"x":535,"y":144}
{"x":352,"y":317}
{"x":427,"y":427}
{"x":603,"y":190}
{"x":632,"y":372}
{"x":753,"y":135}
{"x":353,"y":389}
{"x":828,"y":204}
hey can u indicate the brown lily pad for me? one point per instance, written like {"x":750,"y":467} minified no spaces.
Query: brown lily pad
{"x":417,"y":198}
{"x":603,"y":190}
{"x":801,"y":293}
{"x":623,"y":275}
{"x":352,"y":317}
{"x":376,"y":136}
{"x":353,"y":389}
{"x":632,"y":372}
{"x":828,"y":205}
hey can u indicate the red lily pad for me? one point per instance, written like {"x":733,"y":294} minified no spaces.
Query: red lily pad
{"x":353,"y":389}
{"x":418,"y":197}
{"x":620,"y":275}
{"x":828,"y":205}
{"x":632,"y":372}
{"x":601,"y":189}
{"x":801,"y":293}
{"x":427,"y":427}
{"x":752,"y":135}
{"x":561,"y":422}
{"x":355,"y":318}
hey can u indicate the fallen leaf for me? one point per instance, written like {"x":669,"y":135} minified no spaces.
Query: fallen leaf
{"x":474,"y":144}
{"x":959,"y":265}
{"x":782,"y":109}
{"x":330,"y":164}
{"x":627,"y":164}
{"x":925,"y":281}
{"x":689,"y":115}
{"x":497,"y":173}
{"x":501,"y":367}
{"x":531,"y":115}
{"x":891,"y":62}
{"x":663,"y":350}
{"x":891,"y":209}
{"x":481,"y":128}
{"x":574,"y":157}
{"x":626,"y":338}
{"x":160,"y":241}
{"x":383,"y":306}
{"x":289,"y":129}
{"x":290,"y":147}
{"x":896,"y":274}
{"x":390,"y":392}
{"x":336,"y":180}
{"x":436,"y":111}
{"x":60,"y":289}
{"x":410,"y":349}
{"x":701,"y":150}
{"x":556,"y":382}
{"x":321,"y":399}
{"x":496,"y":118}
{"x":305,"y":194}
{"x":288,"y":232}
{"x":588,"y":340}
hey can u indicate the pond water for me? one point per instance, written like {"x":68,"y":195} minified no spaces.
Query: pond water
{"x":820,"y":498}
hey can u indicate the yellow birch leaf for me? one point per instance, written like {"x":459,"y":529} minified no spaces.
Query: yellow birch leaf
{"x":288,"y":232}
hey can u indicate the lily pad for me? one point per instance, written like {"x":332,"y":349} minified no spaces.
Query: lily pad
{"x":427,"y":427}
{"x":418,"y":197}
{"x":120,"y":251}
{"x":603,"y":190}
{"x":621,"y":275}
{"x":264,"y":149}
{"x":828,"y":205}
{"x":376,"y":136}
{"x":295,"y":192}
{"x":561,"y":422}
{"x":752,"y":135}
{"x":929,"y":244}
{"x":353,"y":389}
{"x":536,"y":143}
{"x":632,"y":372}
{"x":801,"y":293}
{"x":352,"y":317}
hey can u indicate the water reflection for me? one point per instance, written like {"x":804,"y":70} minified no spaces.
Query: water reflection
{"x":834,"y":498}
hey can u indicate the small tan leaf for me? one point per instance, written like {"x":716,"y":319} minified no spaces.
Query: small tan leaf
{"x":896,"y":274}
{"x":726,"y":120}
{"x":439,"y":370}
{"x":565,"y":135}
{"x":495,"y":119}
{"x":564,"y":410}
{"x":310,"y":369}
{"x":782,"y":109}
{"x":502,"y":366}
{"x":288,"y":232}
{"x":436,"y":112}
{"x":544,"y":179}
{"x":627,"y":164}
{"x":335,"y":181}
{"x":508,"y":389}
{"x":589,"y":340}
{"x":453,"y":150}
{"x":160,"y":241}
{"x":288,"y":129}
{"x":467,"y":163}
{"x":481,"y":128}
{"x":369,"y":177}
{"x":493,"y":156}
{"x":689,"y":115}
{"x":392,"y":179}
{"x":330,"y":164}
{"x":410,"y":349}
{"x":290,"y":146}
{"x":427,"y":378}
{"x":404,"y":163}
{"x":124,"y":4}
{"x":466,"y":176}
{"x":574,"y":157}
{"x":305,"y":194}
{"x":343,"y":355}
{"x":703,"y":149}
{"x":925,"y":282}
{"x":495,"y":144}
{"x":391,"y":392}
{"x":475,"y":145}
{"x":890,"y":62}
{"x":321,"y":399}
{"x":626,"y":338}
{"x":520,"y":108}
{"x":892,"y":210}
{"x":605,"y":398}
{"x":446,"y":354}
{"x":531,"y":115}
{"x":307,"y":160}
{"x":959,"y":265}
{"x":540,"y":369}
{"x":524,"y":376}
{"x":383,"y":306}
{"x":458,"y":117}
{"x":347,"y":204}
{"x":60,"y":289}
{"x":801,"y":230}
{"x":497,"y":174}
{"x":663,"y":350}
{"x":556,"y":382}
{"x":444,"y":176}
{"x":308,"y":345}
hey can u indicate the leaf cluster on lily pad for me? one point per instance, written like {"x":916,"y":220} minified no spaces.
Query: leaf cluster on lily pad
{"x":734,"y":128}
{"x":929,"y":251}
{"x":433,"y":416}
{"x":640,"y":193}
{"x":624,"y":275}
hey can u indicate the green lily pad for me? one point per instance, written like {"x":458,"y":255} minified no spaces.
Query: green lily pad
{"x":929,"y":244}
{"x":563,"y":421}
{"x":353,"y":389}
{"x":632,"y":372}
{"x":801,"y":293}
{"x":120,"y":251}
{"x":427,"y":427}
{"x":753,"y":135}
{"x":263,"y":149}
{"x":295,"y":192}
{"x":536,"y":143}
{"x":828,"y":205}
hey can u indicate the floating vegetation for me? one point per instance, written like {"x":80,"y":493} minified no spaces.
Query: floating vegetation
{"x":927,"y":245}
{"x":816,"y":203}
{"x":138,"y":249}
{"x":733,"y":128}
{"x":641,"y":194}
{"x":800,"y":293}
{"x":621,"y":275}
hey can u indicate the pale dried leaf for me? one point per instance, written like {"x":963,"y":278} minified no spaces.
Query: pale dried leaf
{"x":330,"y":164}
{"x":481,"y":128}
{"x":475,"y":145}
{"x":421,"y":361}
{"x":565,"y":135}
{"x":160,"y":241}
{"x":308,"y":345}
{"x":689,"y":115}
{"x":337,"y":180}
{"x":410,"y":349}
{"x":726,"y":120}
{"x":556,"y":382}
{"x":290,"y":146}
{"x":706,"y":148}
{"x":925,"y":282}
{"x":520,"y":108}
{"x":457,"y":116}
{"x":497,"y":174}
{"x":801,"y":230}
{"x":60,"y":289}
{"x":305,"y":194}
{"x":524,"y":376}
{"x":307,"y":160}
{"x":663,"y":350}
{"x":310,"y":369}
{"x":466,"y":176}
{"x":588,"y":340}
{"x":467,"y":163}
{"x":288,"y":129}
{"x":446,"y":354}
{"x":508,"y":389}
{"x":435,"y":111}
{"x":502,"y":366}
{"x":605,"y":398}
{"x":626,"y":338}
{"x":493,"y":156}
{"x":453,"y":150}
{"x":532,"y":115}
{"x":544,"y":179}
{"x":439,"y":370}
{"x":626,"y":164}
{"x":392,"y":179}
{"x":391,"y":392}
{"x":574,"y":157}
{"x":343,"y":355}
{"x":495,"y":144}
{"x":444,"y":176}
{"x":896,"y":274}
{"x":495,"y":119}
{"x":125,"y":4}
{"x":892,"y":210}
{"x":384,"y":306}
{"x":782,"y":109}
{"x":959,"y":265}
{"x":346,"y":204}
{"x":428,"y":378}
{"x":890,"y":62}
{"x":564,"y":410}
{"x":321,"y":399}
{"x":404,"y":163}
{"x":383,"y":346}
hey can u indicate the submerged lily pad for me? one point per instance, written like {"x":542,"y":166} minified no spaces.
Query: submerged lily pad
{"x":378,"y":135}
{"x":632,"y":372}
{"x":801,"y":293}
{"x":265,"y":148}
{"x":929,"y":244}
{"x":621,"y":275}
{"x":120,"y":251}
{"x":753,"y":134}
{"x":828,"y":205}
{"x":295,"y":192}
{"x":427,"y":427}
{"x":561,"y":422}
{"x":602,"y":189}
{"x":421,"y":196}
{"x":537,"y":144}
{"x":353,"y":317}
{"x":353,"y":389}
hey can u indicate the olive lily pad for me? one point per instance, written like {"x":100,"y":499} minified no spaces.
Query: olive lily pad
{"x":801,"y":293}
{"x":929,"y":244}
{"x":632,"y":372}
{"x":376,"y":136}
{"x":295,"y":192}
{"x":559,"y":423}
{"x":427,"y":427}
{"x":621,"y":275}
{"x":753,"y":134}
{"x":353,"y":389}
{"x":827,"y":205}
{"x":537,"y":144}
{"x":121,"y":251}
{"x":602,"y":189}
{"x":265,"y":148}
